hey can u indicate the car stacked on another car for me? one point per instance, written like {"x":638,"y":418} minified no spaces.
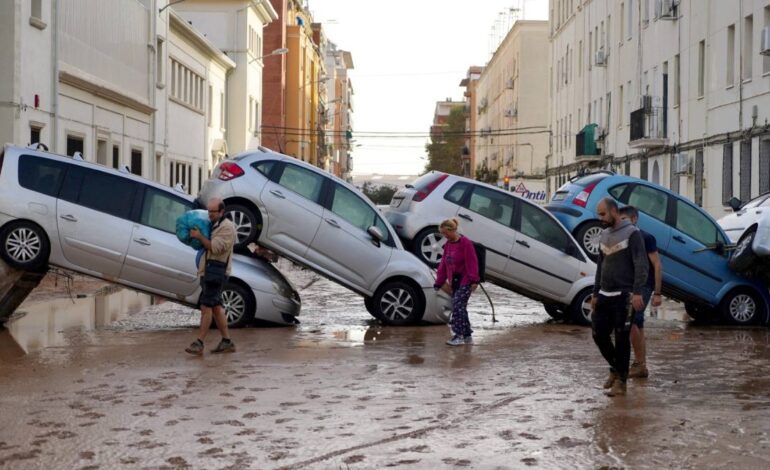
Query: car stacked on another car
{"x":121,"y":228}
{"x":528,"y":251}
{"x":749,"y":228}
{"x":327,"y":225}
{"x":693,"y":247}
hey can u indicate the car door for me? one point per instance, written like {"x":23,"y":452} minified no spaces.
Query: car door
{"x":93,"y":216}
{"x":544,"y":256}
{"x":693,"y":261}
{"x":342,"y":244}
{"x":292,"y":202}
{"x":485,"y":217}
{"x":156,"y":259}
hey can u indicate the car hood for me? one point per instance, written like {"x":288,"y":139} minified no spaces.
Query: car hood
{"x":735,"y":224}
{"x":248,"y":268}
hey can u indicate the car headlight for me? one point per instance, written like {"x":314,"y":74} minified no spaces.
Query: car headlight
{"x":281,"y":289}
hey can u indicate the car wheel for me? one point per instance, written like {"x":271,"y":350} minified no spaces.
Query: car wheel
{"x":581,"y":307}
{"x":398,"y":303}
{"x":239,"y":303}
{"x":744,"y":257}
{"x":742,"y":307}
{"x":369,"y":304}
{"x":248,"y":225}
{"x":428,"y":246}
{"x":588,"y":237}
{"x":697,"y":312}
{"x":554,"y":311}
{"x":24,"y":246}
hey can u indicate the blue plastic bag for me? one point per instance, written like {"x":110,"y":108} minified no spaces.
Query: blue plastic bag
{"x":198,"y":219}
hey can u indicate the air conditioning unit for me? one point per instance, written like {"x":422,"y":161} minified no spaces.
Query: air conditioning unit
{"x":682,"y":164}
{"x":509,"y":83}
{"x":765,"y":45}
{"x":601,"y":58}
{"x":511,"y":112}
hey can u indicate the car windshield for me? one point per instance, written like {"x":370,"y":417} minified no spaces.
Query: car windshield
{"x":589,"y":179}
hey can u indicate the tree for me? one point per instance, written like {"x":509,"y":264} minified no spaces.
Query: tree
{"x":445,"y":149}
{"x":378,"y":194}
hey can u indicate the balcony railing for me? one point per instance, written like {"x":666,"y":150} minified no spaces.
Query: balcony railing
{"x":648,"y":128}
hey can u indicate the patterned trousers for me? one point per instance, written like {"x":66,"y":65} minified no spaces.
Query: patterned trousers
{"x":461,"y":325}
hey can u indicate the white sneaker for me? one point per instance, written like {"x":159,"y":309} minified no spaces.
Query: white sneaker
{"x":456,"y":341}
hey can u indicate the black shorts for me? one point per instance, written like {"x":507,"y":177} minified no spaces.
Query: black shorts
{"x":212,"y":283}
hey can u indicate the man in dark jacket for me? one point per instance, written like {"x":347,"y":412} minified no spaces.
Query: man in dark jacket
{"x":621,"y":275}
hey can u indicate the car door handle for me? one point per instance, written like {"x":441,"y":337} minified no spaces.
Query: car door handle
{"x":142,"y":241}
{"x":69,"y":217}
{"x":332,"y":222}
{"x":466,"y":217}
{"x":522,"y":243}
{"x":277,"y":194}
{"x":679,"y":239}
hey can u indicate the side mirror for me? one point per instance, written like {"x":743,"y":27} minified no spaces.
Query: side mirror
{"x":734,"y":204}
{"x":376,"y":235}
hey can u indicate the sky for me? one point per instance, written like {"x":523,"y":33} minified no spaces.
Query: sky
{"x":409,"y":54}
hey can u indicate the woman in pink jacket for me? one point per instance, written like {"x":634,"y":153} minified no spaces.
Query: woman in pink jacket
{"x":458,"y":276}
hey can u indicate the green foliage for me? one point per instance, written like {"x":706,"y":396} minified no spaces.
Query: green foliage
{"x":485,"y":175}
{"x":445,"y":151}
{"x":378,"y":194}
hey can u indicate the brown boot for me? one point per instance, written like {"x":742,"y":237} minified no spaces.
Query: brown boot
{"x":638,"y":371}
{"x":618,"y":389}
{"x":610,"y":380}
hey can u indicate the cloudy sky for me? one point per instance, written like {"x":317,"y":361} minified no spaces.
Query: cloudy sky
{"x":408,"y":54}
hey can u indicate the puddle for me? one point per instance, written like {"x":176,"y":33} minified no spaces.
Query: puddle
{"x":42,"y":324}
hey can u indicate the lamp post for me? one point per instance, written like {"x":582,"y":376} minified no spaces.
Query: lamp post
{"x":280,"y":51}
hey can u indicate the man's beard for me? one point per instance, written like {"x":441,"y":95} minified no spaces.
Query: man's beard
{"x":609,"y":223}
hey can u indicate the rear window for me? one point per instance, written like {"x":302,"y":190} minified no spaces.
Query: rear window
{"x":424,"y":182}
{"x":41,"y":174}
{"x":589,"y":179}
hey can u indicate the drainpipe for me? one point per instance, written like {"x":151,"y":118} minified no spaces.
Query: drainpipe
{"x":153,"y":44}
{"x":55,"y":77}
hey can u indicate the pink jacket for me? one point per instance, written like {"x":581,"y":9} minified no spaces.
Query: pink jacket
{"x":459,"y":258}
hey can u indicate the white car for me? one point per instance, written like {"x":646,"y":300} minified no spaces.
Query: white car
{"x":326,"y":224}
{"x":749,"y":228}
{"x":528,"y":250}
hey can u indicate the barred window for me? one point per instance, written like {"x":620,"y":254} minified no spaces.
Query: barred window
{"x":187,"y":86}
{"x":745,"y":170}
{"x":727,"y":173}
{"x":699,"y":177}
{"x":674,"y":175}
{"x":764,"y":166}
{"x":643,"y":169}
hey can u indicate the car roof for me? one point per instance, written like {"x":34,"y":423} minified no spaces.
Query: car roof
{"x":95,"y":166}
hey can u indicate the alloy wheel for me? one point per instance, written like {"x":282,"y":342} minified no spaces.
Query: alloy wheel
{"x":397,"y":304}
{"x":243,"y":224}
{"x":235,"y":306}
{"x":743,"y":308}
{"x":432,"y":247}
{"x":23,"y":245}
{"x":591,"y":239}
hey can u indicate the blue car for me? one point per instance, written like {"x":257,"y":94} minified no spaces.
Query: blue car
{"x":691,"y":244}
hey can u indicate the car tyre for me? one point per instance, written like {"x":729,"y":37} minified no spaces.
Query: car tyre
{"x":697,"y":312}
{"x":239,"y":304}
{"x":369,"y":304}
{"x":581,"y":307}
{"x":398,"y":303}
{"x":555,"y":311}
{"x":743,"y":257}
{"x":428,"y":246}
{"x":24,"y":246}
{"x":248,"y":224}
{"x":588,"y":237}
{"x":742,"y":307}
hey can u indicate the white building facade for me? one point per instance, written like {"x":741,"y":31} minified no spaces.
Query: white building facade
{"x":673,"y":91}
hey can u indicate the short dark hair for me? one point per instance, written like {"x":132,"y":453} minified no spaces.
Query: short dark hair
{"x":610,"y":203}
{"x":221,"y":206}
{"x":629,"y":211}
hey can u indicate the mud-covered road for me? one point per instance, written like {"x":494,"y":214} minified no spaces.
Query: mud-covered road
{"x":341,"y":391}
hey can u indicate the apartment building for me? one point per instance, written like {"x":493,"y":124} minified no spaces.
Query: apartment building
{"x":339,"y":112}
{"x":470,"y":94}
{"x":672,"y":91}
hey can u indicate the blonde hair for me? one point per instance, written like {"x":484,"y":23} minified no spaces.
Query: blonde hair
{"x":449,"y":224}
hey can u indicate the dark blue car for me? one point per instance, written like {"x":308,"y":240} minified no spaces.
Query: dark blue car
{"x":691,"y":244}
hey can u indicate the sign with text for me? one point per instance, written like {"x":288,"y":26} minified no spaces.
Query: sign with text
{"x":531,"y":190}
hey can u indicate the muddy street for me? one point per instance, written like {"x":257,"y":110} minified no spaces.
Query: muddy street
{"x":111,"y":387}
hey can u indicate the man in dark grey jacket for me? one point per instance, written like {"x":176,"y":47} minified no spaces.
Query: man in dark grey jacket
{"x":621,"y":274}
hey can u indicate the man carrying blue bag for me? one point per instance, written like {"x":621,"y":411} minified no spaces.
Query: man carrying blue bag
{"x":214,"y":268}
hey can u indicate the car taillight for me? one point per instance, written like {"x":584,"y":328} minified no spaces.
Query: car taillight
{"x":582,"y":198}
{"x":229,"y":170}
{"x":422,"y":194}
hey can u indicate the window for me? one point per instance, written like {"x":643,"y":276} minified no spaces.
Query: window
{"x":136,"y":162}
{"x":40,"y":174}
{"x":730,"y":66}
{"x":304,"y":182}
{"x":630,"y":18}
{"x":621,"y":18}
{"x":187,"y":86}
{"x":456,"y":193}
{"x":256,"y":118}
{"x":99,"y":191}
{"x":609,"y":110}
{"x":677,"y":77}
{"x":766,"y":59}
{"x":180,"y":173}
{"x":693,"y":223}
{"x":535,"y":223}
{"x":354,"y":210}
{"x":745,"y":170}
{"x":492,"y":205}
{"x":37,"y":9}
{"x":646,"y":11}
{"x":674,"y":176}
{"x":701,"y":68}
{"x":650,"y":201}
{"x":617,"y":191}
{"x":620,"y":107}
{"x":160,"y":61}
{"x":74,"y":144}
{"x":160,"y":210}
{"x":115,"y":156}
{"x":727,"y":173}
{"x":764,"y":166}
{"x":748,"y":47}
{"x":580,"y":59}
{"x":210,"y":113}
{"x":264,"y":167}
{"x":643,"y":169}
{"x":34,"y":134}
{"x":251,"y":113}
{"x":699,"y":177}
{"x":222,"y":110}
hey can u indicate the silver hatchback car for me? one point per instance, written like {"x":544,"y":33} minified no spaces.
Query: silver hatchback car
{"x":326,"y":224}
{"x":121,"y":228}
{"x":528,"y":250}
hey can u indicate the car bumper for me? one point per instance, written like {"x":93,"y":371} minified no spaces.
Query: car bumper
{"x":569,"y":215}
{"x":438,"y":306}
{"x":276,"y":308}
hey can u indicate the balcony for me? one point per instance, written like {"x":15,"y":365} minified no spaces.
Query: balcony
{"x":585,"y":143}
{"x":648,"y":128}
